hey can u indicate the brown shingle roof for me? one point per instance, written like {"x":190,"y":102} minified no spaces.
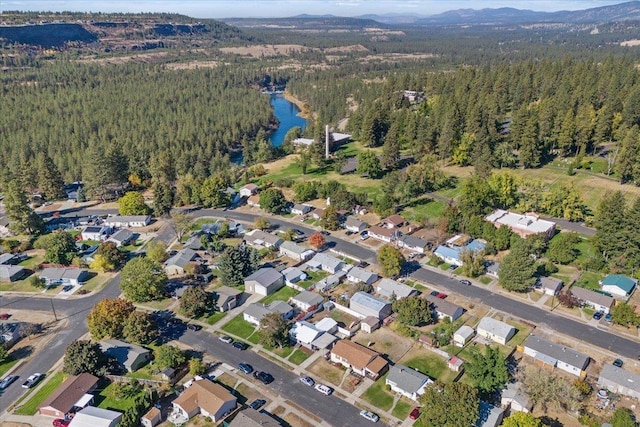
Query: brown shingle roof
{"x":69,"y":392}
{"x":395,"y":220}
{"x":381,"y":231}
{"x":359,"y":356}
{"x":204,"y":394}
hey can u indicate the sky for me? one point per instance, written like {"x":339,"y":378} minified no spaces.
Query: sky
{"x":284,"y":8}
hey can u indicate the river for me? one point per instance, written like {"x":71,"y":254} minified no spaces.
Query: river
{"x":287,"y":114}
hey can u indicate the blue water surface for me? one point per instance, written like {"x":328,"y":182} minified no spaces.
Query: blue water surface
{"x":287,"y":114}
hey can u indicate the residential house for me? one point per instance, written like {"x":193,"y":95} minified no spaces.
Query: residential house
{"x":451,"y":252}
{"x":63,"y":276}
{"x":264,"y":281}
{"x":556,"y":355}
{"x":295,"y":251}
{"x":262,"y":239}
{"x":10,"y":332}
{"x":194,"y":243}
{"x":152,"y":418}
{"x":293,"y":275}
{"x":495,"y":330}
{"x":325,"y":262}
{"x":393,"y":221}
{"x":367,"y":305}
{"x":256,"y":311}
{"x":360,"y":275}
{"x":329,"y":282}
{"x":413,"y":244}
{"x":11,"y":273}
{"x":95,"y":232}
{"x":455,"y":364}
{"x":489,"y":415}
{"x":70,"y":396}
{"x":177,"y":265}
{"x":361,"y":360}
{"x":310,"y":336}
{"x":463,"y":335}
{"x":369,"y":324}
{"x":449,"y":255}
{"x":234,"y":196}
{"x":248,"y":190}
{"x":407,"y":381}
{"x":226,"y":298}
{"x":549,"y":285}
{"x":122,"y":237}
{"x":96,"y":417}
{"x":515,"y":399}
{"x":598,"y":301}
{"x":251,"y":418}
{"x":12,"y":259}
{"x":131,"y":356}
{"x":354,"y":224}
{"x":620,"y":381}
{"x":522,"y":225}
{"x":254,"y":201}
{"x":307,"y":301}
{"x":206,"y":398}
{"x":492,"y":268}
{"x":618,"y":284}
{"x":127,"y":221}
{"x":301,"y":209}
{"x":317,"y":213}
{"x":387,"y":287}
{"x":443,"y":308}
{"x":384,"y":234}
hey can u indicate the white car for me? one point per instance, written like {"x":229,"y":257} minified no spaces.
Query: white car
{"x":32,"y":380}
{"x":369,"y":416}
{"x":326,"y":390}
{"x":307,"y":381}
{"x":225,"y":339}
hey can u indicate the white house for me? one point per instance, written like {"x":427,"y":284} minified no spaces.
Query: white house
{"x":307,"y":301}
{"x":259,"y":238}
{"x":618,"y":285}
{"x":463,"y":335}
{"x":301,"y":209}
{"x":122,"y":237}
{"x":549,"y":285}
{"x":360,"y":275}
{"x":387,"y":287}
{"x":556,"y":355}
{"x":367,"y":305}
{"x":596,"y":300}
{"x":295,"y":251}
{"x":207,"y":398}
{"x":522,"y":225}
{"x":495,"y":330}
{"x":327,"y":325}
{"x":413,"y":244}
{"x":293,"y":275}
{"x":354,"y":224}
{"x":95,"y":232}
{"x":264,"y":281}
{"x":515,"y":399}
{"x":407,"y":381}
{"x":443,"y":308}
{"x":309,"y":336}
{"x":64,"y":276}
{"x":325,"y":262}
{"x":618,"y":380}
{"x":96,"y":417}
{"x":125,"y":221}
{"x":393,"y":221}
{"x":248,"y":190}
{"x":383,"y":234}
{"x":176,"y":265}
{"x":256,"y":311}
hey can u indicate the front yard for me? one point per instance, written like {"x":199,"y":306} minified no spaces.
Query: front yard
{"x":428,"y":363}
{"x":283,"y":294}
{"x":239,"y":327}
{"x":328,"y":372}
{"x":34,"y":401}
{"x":378,"y":396}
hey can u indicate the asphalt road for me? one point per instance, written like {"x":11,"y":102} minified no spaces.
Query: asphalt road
{"x":335,"y":411}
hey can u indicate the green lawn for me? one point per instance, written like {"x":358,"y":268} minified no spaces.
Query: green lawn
{"x":431,"y":365}
{"x":31,"y":406}
{"x":402,"y":410}
{"x":298,"y":356}
{"x":215,"y":317}
{"x":378,"y":396}
{"x":32,"y":262}
{"x":121,"y":405}
{"x":283,"y":294}
{"x":239,"y":327}
{"x":589,"y":280}
{"x":6,"y":365}
{"x":485,"y":280}
{"x":424,"y":209}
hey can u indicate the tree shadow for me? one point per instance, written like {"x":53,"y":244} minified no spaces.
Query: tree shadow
{"x":551,"y":422}
{"x":22,"y":352}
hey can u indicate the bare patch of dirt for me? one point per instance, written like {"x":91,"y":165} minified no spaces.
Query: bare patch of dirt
{"x":141,"y":57}
{"x":634,"y":42}
{"x":192,"y":65}
{"x":347,"y":49}
{"x":387,"y":342}
{"x":258,"y":51}
{"x":295,"y":421}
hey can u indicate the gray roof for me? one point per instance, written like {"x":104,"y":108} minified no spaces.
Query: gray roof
{"x":127,"y":218}
{"x":307,"y":297}
{"x":620,"y":376}
{"x":265,"y":276}
{"x":258,"y":310}
{"x":361,"y":274}
{"x":326,"y":260}
{"x":293,"y":247}
{"x":62,"y":273}
{"x":182,"y":258}
{"x":352,"y":221}
{"x":386,"y":287}
{"x":252,"y":418}
{"x":489,"y":415}
{"x":8,"y":271}
{"x":465,"y":332}
{"x":194,"y":243}
{"x":557,"y":351}
{"x":122,"y":235}
{"x":443,"y":306}
{"x":260,"y":237}
{"x":6,"y":258}
{"x":495,"y":327}
{"x":369,"y":301}
{"x":550,"y":283}
{"x":302,"y":207}
{"x":413,"y":241}
{"x":293,"y":273}
{"x":226,"y":290}
{"x":514,"y":392}
{"x":407,"y":379}
{"x":125,"y":353}
{"x":592,"y":297}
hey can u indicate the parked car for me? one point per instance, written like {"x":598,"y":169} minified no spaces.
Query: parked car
{"x":307,"y":381}
{"x":364,"y":235}
{"x":7,"y":381}
{"x":265,"y":377}
{"x":325,"y":233}
{"x":326,"y":390}
{"x":225,"y":339}
{"x":298,"y":233}
{"x":4,"y":316}
{"x":61,"y":422}
{"x":257,"y":404}
{"x":441,"y":295}
{"x":607,"y":318}
{"x":349,"y":233}
{"x":369,"y":416}
{"x":415,"y":413}
{"x":32,"y":380}
{"x":246,"y":368}
{"x":453,"y":267}
{"x":618,"y":363}
{"x":240,"y":345}
{"x":434,"y":293}
{"x":598,"y":315}
{"x":193,"y":327}
{"x":465,"y":282}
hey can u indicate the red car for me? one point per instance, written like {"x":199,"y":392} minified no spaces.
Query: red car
{"x":441,"y":295}
{"x":4,"y":316}
{"x":415,"y":413}
{"x":61,"y":423}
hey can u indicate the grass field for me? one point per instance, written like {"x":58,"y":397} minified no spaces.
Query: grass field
{"x":378,"y":396}
{"x":298,"y":356}
{"x":589,"y":280}
{"x":107,"y":402}
{"x":6,"y":365}
{"x":283,"y":294}
{"x":424,"y":209}
{"x":215,"y":317}
{"x":31,"y":406}
{"x":431,"y":365}
{"x":402,"y":409}
{"x":239,"y":327}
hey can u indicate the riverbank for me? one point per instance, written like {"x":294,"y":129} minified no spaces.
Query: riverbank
{"x":305,"y":113}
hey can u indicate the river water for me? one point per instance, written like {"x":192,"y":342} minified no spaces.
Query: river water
{"x":287,"y":114}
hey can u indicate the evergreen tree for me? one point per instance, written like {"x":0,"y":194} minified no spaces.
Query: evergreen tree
{"x":517,"y":269}
{"x":391,"y":148}
{"x":611,"y":225}
{"x":50,"y":180}
{"x":22,"y":218}
{"x":236,"y":263}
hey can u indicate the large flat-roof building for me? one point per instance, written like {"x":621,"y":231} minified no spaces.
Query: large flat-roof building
{"x":522,"y":225}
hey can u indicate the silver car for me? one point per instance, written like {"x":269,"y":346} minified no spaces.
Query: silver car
{"x":369,"y":416}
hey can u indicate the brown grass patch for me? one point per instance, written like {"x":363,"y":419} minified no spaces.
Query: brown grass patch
{"x":295,"y":421}
{"x":347,"y":49}
{"x":192,"y":65}
{"x":327,"y":371}
{"x":257,"y":51}
{"x":385,"y":341}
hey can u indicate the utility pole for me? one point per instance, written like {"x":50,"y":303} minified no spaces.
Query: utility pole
{"x":55,"y":316}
